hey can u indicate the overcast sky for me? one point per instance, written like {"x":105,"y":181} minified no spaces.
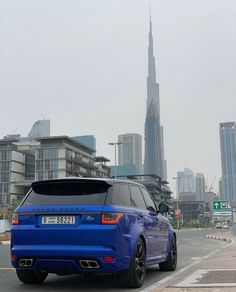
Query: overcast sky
{"x":83,"y":65}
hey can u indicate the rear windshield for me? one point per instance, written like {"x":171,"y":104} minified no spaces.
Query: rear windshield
{"x":67,"y":194}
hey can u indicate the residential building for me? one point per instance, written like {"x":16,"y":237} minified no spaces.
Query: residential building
{"x":228,"y":160}
{"x":123,"y":170}
{"x":24,"y":160}
{"x":130,"y":152}
{"x":88,"y":140}
{"x":41,"y":128}
{"x":154,"y":144}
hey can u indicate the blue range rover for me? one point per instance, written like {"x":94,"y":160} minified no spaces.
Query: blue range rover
{"x":77,"y":225}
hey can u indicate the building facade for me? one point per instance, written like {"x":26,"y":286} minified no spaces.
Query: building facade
{"x":130,"y":152}
{"x":200,"y":187}
{"x":88,"y":140}
{"x":228,"y":160}
{"x":186,"y":181}
{"x":25,"y":160}
{"x":41,"y":128}
{"x":154,"y":144}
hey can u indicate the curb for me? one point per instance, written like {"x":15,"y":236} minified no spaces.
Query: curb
{"x":4,"y":242}
{"x":219,"y":238}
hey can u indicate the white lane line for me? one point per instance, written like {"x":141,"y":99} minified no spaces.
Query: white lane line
{"x":166,"y":279}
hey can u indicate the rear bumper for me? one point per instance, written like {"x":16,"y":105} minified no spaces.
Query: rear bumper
{"x":66,"y":259}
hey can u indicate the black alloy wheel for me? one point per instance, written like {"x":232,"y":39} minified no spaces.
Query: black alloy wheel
{"x":140,"y":260}
{"x":134,"y":276}
{"x":171,"y":262}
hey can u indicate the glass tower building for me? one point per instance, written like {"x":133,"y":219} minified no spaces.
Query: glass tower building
{"x":130,"y":151}
{"x":228,"y":160}
{"x":200,"y":187}
{"x":40,"y":128}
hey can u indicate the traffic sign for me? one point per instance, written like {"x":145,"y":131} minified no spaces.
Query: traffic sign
{"x":221,"y":213}
{"x":177,"y":214}
{"x":218,"y":205}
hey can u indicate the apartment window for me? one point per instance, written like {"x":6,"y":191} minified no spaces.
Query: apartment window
{"x":50,"y":174}
{"x":39,"y":165}
{"x":40,"y":154}
{"x":40,"y":175}
{"x":6,"y":188}
{"x":69,"y":154}
{"x":5,"y":166}
{"x":4,"y":154}
{"x":47,"y":164}
{"x":4,"y":177}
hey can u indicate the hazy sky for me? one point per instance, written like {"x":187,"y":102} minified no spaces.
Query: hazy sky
{"x":83,"y":65}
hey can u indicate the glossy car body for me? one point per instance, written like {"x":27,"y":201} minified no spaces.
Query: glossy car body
{"x":78,"y":225}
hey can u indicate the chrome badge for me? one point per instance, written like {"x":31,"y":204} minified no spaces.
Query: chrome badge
{"x":90,"y":218}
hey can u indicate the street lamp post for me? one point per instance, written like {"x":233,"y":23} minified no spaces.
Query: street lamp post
{"x":115,"y":144}
{"x":177,"y":201}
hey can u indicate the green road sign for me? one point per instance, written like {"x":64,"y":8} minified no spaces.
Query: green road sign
{"x":218,"y":205}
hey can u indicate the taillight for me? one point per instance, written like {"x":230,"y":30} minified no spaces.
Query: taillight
{"x":111,"y":218}
{"x":13,"y":257}
{"x":15,"y":219}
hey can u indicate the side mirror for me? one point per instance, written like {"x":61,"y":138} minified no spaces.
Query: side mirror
{"x":163,"y":208}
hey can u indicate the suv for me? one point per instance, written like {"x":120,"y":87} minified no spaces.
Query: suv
{"x":73,"y":225}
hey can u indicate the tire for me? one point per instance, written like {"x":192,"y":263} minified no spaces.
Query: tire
{"x":31,"y":276}
{"x":171,"y":262}
{"x":134,"y":276}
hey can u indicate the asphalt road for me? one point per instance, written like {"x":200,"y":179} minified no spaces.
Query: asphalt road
{"x":192,"y":245}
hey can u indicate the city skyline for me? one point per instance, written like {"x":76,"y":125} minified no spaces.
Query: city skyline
{"x":89,"y":78}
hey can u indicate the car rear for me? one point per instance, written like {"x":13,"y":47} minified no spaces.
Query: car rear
{"x":65,"y":227}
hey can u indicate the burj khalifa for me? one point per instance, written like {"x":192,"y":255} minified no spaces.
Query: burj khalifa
{"x":154,"y":162}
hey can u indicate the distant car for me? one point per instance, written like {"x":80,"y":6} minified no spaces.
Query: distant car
{"x":225,"y":226}
{"x":218,"y":225}
{"x":69,"y":226}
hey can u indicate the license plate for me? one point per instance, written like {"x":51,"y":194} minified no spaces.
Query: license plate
{"x":58,"y":220}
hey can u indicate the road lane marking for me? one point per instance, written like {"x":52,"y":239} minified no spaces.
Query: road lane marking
{"x":178,"y":272}
{"x":7,"y":269}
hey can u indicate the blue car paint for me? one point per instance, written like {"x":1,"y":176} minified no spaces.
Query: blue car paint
{"x":58,"y":249}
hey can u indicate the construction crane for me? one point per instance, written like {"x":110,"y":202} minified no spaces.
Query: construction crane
{"x":212,"y":185}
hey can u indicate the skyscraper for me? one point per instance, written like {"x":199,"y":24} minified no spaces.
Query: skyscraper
{"x":228,"y":160}
{"x":40,"y":128}
{"x":200,"y":187}
{"x":154,"y":146}
{"x":186,"y":181}
{"x":130,"y":151}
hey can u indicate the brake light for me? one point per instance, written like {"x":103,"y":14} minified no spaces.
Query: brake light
{"x":13,"y":257}
{"x":15,"y":219}
{"x":111,"y":218}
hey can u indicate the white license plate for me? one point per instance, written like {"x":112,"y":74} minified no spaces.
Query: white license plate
{"x":58,"y":220}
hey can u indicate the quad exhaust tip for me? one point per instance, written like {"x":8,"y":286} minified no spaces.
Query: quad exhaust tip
{"x":25,"y":263}
{"x":89,"y":264}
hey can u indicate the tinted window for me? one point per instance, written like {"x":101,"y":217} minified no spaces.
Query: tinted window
{"x":148,"y":200}
{"x":120,"y":195}
{"x":137,"y":197}
{"x":68,"y":194}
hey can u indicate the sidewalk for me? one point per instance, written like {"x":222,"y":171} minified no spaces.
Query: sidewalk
{"x":214,"y":273}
